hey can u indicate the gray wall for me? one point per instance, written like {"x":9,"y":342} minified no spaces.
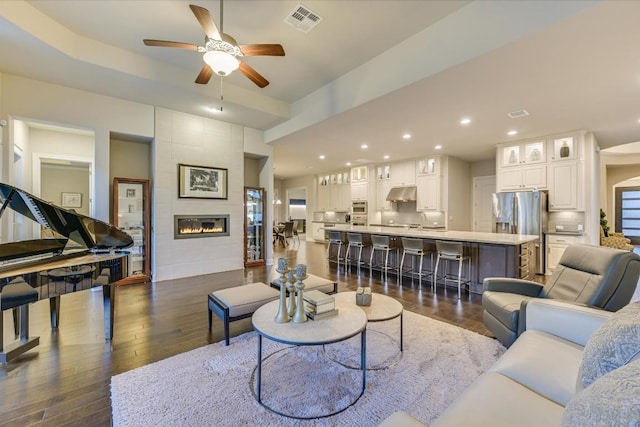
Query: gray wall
{"x":59,"y":179}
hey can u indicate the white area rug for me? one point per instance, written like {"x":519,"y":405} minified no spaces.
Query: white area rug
{"x":213,"y":385}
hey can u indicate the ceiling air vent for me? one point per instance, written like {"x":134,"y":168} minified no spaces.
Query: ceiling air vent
{"x":518,"y":114}
{"x":303,"y":19}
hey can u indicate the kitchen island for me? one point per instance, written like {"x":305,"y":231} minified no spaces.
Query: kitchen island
{"x":492,"y":254}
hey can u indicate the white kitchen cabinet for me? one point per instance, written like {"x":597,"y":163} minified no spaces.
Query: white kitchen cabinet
{"x":429,"y":166}
{"x":564,"y":148}
{"x":334,"y":192}
{"x":565,"y":186}
{"x":428,"y":193}
{"x":359,"y":174}
{"x":403,"y":173}
{"x":382,"y":190}
{"x":316,"y":232}
{"x":323,"y":198}
{"x":383,"y":172}
{"x":556,"y":245}
{"x":359,"y":190}
{"x":521,"y":153}
{"x":522,"y":178}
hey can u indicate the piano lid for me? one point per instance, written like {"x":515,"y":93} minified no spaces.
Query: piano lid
{"x":87,"y":231}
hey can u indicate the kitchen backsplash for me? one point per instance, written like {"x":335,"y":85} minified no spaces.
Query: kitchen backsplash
{"x":405,"y":213}
{"x":566,"y":221}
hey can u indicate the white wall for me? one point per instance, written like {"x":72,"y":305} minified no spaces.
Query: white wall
{"x":456,"y":193}
{"x":193,"y":140}
{"x":28,"y":99}
{"x":179,"y":138}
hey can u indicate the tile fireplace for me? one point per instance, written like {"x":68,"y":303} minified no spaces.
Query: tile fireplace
{"x":195,"y":226}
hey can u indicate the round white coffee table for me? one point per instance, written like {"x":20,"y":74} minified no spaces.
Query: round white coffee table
{"x":349,"y":322}
{"x":382,"y":308}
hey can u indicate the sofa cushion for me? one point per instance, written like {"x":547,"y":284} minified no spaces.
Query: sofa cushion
{"x":615,"y":343}
{"x":494,"y":400}
{"x":544,"y":363}
{"x":401,"y":419}
{"x":612,"y":400}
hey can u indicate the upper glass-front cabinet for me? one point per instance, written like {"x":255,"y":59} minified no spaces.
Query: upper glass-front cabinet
{"x":254,"y":210}
{"x":527,"y":152}
{"x":131,"y":215}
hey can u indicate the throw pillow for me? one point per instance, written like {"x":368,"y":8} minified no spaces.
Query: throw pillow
{"x":614,"y":344}
{"x":612,"y":401}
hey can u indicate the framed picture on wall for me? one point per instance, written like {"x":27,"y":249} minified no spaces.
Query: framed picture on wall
{"x":71,"y":200}
{"x":202,"y":182}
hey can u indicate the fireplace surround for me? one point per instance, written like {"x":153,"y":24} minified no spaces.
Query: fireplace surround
{"x":196,"y":226}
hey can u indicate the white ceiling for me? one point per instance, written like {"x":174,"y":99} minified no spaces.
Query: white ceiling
{"x":369,"y":72}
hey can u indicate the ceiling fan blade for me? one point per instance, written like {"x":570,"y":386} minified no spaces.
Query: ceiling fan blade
{"x":205,"y":75}
{"x":206,"y":21}
{"x":164,"y":43}
{"x":262,"y":49}
{"x":253,"y":75}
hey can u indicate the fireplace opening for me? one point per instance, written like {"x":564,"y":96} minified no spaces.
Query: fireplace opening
{"x":194,"y":226}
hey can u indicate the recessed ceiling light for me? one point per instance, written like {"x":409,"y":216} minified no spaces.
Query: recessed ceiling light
{"x":322,"y":157}
{"x":465,"y":121}
{"x":512,"y":132}
{"x":348,"y":163}
{"x":386,"y":156}
{"x":364,"y":146}
{"x":406,"y":136}
{"x":438,"y":147}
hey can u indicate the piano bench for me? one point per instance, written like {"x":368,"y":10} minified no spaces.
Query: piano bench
{"x":239,"y":302}
{"x":17,"y":295}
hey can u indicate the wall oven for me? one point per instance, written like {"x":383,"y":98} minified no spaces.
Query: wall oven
{"x":359,"y":220}
{"x":359,"y":207}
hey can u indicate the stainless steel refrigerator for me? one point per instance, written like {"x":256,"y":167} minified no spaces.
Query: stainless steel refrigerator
{"x":523,"y":212}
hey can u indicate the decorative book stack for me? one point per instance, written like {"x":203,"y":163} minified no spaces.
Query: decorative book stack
{"x":318,"y":305}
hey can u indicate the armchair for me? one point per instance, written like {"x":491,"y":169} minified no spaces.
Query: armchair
{"x":615,"y":240}
{"x":596,"y":276}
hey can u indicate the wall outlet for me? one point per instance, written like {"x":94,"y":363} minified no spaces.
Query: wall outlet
{"x":580,"y":227}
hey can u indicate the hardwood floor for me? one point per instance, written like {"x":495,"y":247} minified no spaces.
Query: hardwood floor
{"x":65,"y":380}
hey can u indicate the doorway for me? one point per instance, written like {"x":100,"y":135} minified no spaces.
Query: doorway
{"x":627,"y":212}
{"x":483,"y":189}
{"x":296,"y":205}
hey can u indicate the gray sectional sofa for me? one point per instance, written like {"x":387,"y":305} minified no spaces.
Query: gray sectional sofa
{"x":573,"y":366}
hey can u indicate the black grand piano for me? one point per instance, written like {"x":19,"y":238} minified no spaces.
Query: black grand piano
{"x":81,"y":252}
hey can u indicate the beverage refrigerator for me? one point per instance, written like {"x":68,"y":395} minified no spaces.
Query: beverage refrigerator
{"x":523,"y":212}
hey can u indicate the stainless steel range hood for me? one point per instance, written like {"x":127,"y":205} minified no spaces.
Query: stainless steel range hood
{"x":402,"y":194}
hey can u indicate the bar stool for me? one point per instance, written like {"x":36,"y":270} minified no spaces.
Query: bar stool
{"x":417,"y":248}
{"x":382,"y":243}
{"x":359,"y":242}
{"x":335,"y":238}
{"x":451,"y":251}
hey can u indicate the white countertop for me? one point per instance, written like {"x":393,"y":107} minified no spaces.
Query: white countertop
{"x":460,"y":236}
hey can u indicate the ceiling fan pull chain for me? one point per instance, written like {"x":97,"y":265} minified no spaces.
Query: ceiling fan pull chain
{"x":221,"y":93}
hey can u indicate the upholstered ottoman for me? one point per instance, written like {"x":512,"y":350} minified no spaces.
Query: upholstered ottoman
{"x":312,"y":282}
{"x":239,"y":302}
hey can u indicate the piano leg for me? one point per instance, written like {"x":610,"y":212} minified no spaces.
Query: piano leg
{"x":54,"y":310}
{"x":109,"y":302}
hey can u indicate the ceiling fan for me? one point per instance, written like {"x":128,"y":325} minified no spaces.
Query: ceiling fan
{"x":222,"y":54}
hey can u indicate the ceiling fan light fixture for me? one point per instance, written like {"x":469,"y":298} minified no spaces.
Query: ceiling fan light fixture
{"x":221,"y":63}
